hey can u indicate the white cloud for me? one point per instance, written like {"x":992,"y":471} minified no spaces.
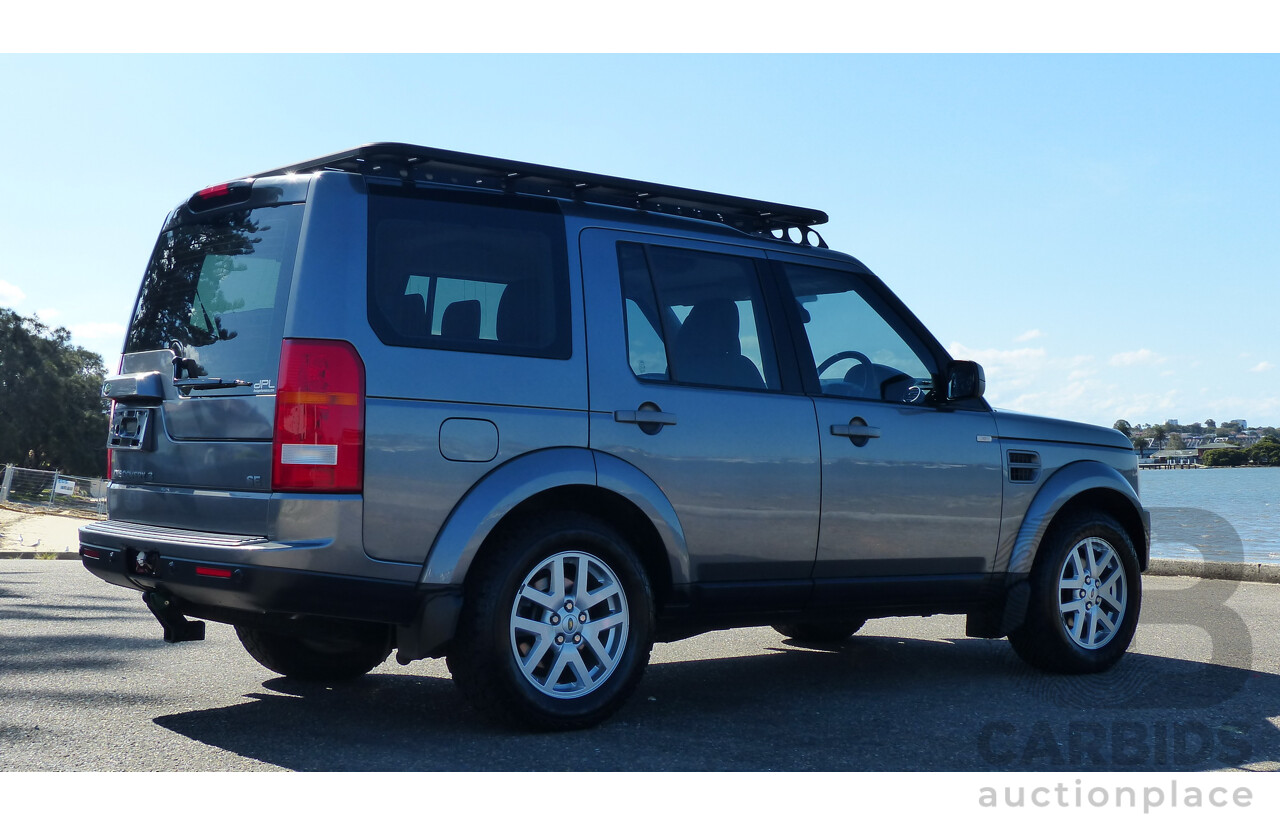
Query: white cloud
{"x":10,"y":295}
{"x":1138,"y":358}
{"x":48,"y":315}
{"x":1029,"y":335}
{"x":1263,"y":367}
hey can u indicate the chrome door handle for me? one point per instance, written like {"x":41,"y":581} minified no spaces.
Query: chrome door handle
{"x":856,"y":431}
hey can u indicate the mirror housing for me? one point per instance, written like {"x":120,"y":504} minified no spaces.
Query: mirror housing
{"x":965,"y":379}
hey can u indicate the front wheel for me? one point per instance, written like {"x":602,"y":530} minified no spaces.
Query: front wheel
{"x":346,"y":653}
{"x":556,"y":627}
{"x":1086,"y":592}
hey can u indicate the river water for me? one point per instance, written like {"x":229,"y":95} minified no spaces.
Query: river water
{"x":1220,"y":514}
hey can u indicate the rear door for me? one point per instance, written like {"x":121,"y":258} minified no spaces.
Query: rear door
{"x":194,"y":405}
{"x":687,"y":385}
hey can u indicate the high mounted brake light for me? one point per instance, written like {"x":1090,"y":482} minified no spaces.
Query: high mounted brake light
{"x":221,"y":190}
{"x":220,"y":195}
{"x":319,"y":430}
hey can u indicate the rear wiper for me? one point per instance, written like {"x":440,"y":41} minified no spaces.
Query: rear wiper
{"x":186,"y":385}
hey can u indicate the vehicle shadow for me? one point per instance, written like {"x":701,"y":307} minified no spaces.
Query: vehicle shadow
{"x":872,"y":703}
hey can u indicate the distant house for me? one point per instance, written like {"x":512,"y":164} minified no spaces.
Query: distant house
{"x":1173,"y":458}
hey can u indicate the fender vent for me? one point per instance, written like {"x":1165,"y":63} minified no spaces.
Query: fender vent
{"x":1024,"y":467}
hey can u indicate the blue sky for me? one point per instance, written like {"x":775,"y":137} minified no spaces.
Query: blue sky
{"x":1098,"y":231}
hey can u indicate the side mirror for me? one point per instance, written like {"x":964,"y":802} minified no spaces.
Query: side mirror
{"x":965,"y":379}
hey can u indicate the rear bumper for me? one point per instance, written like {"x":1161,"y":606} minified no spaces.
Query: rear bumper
{"x":219,"y":577}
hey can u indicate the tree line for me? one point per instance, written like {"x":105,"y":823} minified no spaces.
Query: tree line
{"x":52,"y":414}
{"x":1265,"y":453}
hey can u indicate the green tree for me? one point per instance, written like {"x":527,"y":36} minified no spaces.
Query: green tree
{"x":1158,"y":436}
{"x":1224,"y":458}
{"x":51,"y":409}
{"x":1124,"y":427}
{"x":1175,"y":442}
{"x":1265,"y":453}
{"x":1210,"y":424}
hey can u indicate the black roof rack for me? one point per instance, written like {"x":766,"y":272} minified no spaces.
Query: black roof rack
{"x":441,"y":166}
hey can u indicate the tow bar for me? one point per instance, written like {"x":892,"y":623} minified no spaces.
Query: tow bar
{"x":177,"y":628}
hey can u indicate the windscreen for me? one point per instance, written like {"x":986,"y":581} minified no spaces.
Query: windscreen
{"x":215,"y":293}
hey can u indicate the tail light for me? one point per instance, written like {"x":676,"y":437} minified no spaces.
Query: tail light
{"x":111,"y":419}
{"x":319,"y":432}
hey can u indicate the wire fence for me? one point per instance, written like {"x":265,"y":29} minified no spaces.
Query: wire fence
{"x":45,"y":489}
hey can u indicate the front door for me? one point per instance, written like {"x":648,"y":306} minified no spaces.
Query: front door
{"x":911,"y":485}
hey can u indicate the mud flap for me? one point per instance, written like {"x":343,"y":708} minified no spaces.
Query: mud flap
{"x":1003,"y":617}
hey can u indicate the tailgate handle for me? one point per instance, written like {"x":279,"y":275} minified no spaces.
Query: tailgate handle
{"x":138,"y":386}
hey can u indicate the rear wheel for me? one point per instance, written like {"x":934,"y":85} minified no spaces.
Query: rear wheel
{"x":1086,"y":592}
{"x":830,"y":632}
{"x":347,"y":654}
{"x":557,"y":625}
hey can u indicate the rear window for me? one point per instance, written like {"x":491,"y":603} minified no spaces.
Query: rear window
{"x":215,"y":293}
{"x":463,"y":272}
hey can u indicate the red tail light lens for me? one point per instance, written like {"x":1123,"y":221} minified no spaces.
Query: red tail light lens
{"x":210,"y":192}
{"x":319,"y":433}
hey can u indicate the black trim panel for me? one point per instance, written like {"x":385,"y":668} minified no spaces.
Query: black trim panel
{"x":931,"y":594}
{"x":907,"y":567}
{"x":261,"y":589}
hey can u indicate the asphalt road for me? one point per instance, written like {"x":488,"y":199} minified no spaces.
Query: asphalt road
{"x":87,"y":684}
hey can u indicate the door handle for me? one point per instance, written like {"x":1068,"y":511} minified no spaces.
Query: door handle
{"x":856,"y":431}
{"x":649,"y":417}
{"x":643,"y":416}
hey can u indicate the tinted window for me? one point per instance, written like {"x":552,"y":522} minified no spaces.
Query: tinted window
{"x":696,"y":318}
{"x":859,"y":348}
{"x":468,"y":273}
{"x":215,"y":292}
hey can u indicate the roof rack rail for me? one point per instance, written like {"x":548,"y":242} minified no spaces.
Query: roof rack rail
{"x":440,"y":166}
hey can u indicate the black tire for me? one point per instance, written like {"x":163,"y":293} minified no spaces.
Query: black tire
{"x":565,"y":683}
{"x":1086,"y":594}
{"x":347,"y":654}
{"x":825,"y":633}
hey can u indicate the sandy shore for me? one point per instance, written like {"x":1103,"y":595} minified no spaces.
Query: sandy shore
{"x":27,"y":532}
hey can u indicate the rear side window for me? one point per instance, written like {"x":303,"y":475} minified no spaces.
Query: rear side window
{"x":696,"y":317}
{"x":215,"y":293}
{"x":468,"y":273}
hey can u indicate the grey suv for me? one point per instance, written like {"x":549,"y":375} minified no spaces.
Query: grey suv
{"x":535,"y":420}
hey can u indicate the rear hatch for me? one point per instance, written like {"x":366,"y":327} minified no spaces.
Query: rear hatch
{"x":194,"y":403}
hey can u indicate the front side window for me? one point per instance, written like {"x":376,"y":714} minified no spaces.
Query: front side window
{"x":696,"y":318}
{"x":859,"y":349}
{"x":468,"y":273}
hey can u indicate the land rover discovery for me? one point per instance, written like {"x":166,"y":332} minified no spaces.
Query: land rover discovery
{"x":534,"y":420}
